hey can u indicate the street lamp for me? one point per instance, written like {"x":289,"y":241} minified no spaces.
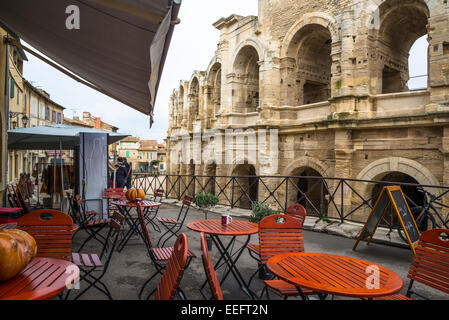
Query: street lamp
{"x":16,"y":115}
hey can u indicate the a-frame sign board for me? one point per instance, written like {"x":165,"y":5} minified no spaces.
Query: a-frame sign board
{"x":391,"y":195}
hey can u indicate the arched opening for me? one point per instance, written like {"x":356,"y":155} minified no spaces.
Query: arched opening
{"x":194,"y":99}
{"x":211,"y":173}
{"x":418,"y":64}
{"x":402,"y":23}
{"x":412,"y":195}
{"x":246,"y":188}
{"x":309,"y":190}
{"x":246,"y":82}
{"x":214,"y":82}
{"x":311,"y":49}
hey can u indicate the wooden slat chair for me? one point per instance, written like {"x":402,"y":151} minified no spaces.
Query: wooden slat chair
{"x":279,"y":234}
{"x":214,"y":284}
{"x":169,"y":283}
{"x":12,"y":198}
{"x":52,"y":230}
{"x":113,"y":192}
{"x":159,"y":256}
{"x":298,"y":211}
{"x":21,"y":200}
{"x":90,"y":221}
{"x":90,"y":263}
{"x":430,"y":265}
{"x":151,"y":214}
{"x":295,"y":210}
{"x":173,"y":226}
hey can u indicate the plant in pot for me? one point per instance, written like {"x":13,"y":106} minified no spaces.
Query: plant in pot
{"x":205,"y":201}
{"x":261,"y":210}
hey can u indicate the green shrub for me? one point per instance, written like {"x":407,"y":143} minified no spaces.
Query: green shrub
{"x":260,"y":211}
{"x":205,"y":201}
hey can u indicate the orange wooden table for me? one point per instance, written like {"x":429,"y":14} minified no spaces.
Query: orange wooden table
{"x":125,"y":206}
{"x":43,"y":278}
{"x":236,"y":228}
{"x":7,"y":226}
{"x":336,"y":275}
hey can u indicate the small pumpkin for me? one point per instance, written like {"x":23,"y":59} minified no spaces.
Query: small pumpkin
{"x":17,"y":249}
{"x":134,"y":194}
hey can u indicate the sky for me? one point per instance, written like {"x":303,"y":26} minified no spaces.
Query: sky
{"x":192,"y":47}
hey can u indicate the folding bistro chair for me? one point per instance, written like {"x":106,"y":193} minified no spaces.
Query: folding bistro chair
{"x":214,"y":284}
{"x":113,"y":193}
{"x":173,"y":226}
{"x":12,"y":198}
{"x":172,"y":276}
{"x":21,"y":200}
{"x":280,"y":233}
{"x":159,"y":256}
{"x":91,"y":221}
{"x":298,"y":211}
{"x":151,"y":213}
{"x":295,"y":210}
{"x":52,"y":230}
{"x":90,"y":263}
{"x":430,"y":265}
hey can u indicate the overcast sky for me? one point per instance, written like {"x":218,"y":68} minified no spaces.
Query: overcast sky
{"x":193,"y":46}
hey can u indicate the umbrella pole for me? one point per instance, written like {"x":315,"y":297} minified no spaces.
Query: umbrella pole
{"x":62,"y":176}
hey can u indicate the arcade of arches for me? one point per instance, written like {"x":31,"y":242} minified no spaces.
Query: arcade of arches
{"x":335,"y":83}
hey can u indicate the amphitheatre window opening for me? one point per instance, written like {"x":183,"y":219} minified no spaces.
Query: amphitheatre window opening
{"x":195,"y":98}
{"x":412,"y":195}
{"x":312,"y":193}
{"x":246,"y":82}
{"x":246,"y":188}
{"x":311,"y":48}
{"x":403,"y":45}
{"x":215,"y":85}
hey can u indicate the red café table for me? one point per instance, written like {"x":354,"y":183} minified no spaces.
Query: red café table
{"x":336,"y":275}
{"x":43,"y":278}
{"x":236,"y":228}
{"x":125,"y":207}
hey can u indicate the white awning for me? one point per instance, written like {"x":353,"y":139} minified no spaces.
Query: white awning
{"x":52,"y":137}
{"x":120,"y":46}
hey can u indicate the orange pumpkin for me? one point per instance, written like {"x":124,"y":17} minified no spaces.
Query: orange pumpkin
{"x":133,"y":194}
{"x":17,"y":249}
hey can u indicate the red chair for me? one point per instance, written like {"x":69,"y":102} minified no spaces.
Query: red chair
{"x":169,"y":284}
{"x":214,"y":284}
{"x":90,"y":263}
{"x":52,"y":230}
{"x":295,"y":210}
{"x":159,"y":256}
{"x":430,"y":265}
{"x":298,"y":211}
{"x":279,"y":234}
{"x":151,"y":213}
{"x":173,"y":226}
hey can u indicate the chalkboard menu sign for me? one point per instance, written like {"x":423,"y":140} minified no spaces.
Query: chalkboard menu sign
{"x":390,"y":196}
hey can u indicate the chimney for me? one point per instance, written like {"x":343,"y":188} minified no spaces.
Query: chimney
{"x":98,"y":123}
{"x":86,"y":116}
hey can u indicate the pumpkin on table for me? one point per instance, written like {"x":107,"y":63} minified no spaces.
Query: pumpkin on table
{"x":134,"y":194}
{"x":17,"y":249}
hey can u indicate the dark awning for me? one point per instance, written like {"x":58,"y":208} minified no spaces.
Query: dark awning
{"x":120,"y":47}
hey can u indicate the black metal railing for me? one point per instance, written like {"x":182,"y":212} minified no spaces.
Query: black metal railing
{"x":338,"y":198}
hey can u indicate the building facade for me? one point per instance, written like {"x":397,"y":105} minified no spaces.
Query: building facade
{"x":332,"y":78}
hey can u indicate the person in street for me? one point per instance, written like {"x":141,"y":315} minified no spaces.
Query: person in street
{"x":129,"y":172}
{"x":121,"y":174}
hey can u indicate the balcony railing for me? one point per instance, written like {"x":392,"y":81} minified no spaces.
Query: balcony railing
{"x":340,"y":199}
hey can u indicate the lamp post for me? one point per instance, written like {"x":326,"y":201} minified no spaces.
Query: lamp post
{"x":14,"y":123}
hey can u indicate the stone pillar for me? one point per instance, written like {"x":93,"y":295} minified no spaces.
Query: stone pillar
{"x":343,"y":159}
{"x":445,"y":152}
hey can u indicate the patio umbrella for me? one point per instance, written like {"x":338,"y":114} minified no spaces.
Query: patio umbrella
{"x":53,"y":137}
{"x":118,"y":47}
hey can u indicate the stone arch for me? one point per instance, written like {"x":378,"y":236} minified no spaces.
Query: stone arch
{"x":251,"y":42}
{"x":377,"y":170}
{"x":308,"y":162}
{"x":400,"y":24}
{"x":306,"y":54}
{"x":318,"y":18}
{"x":214,"y":83}
{"x":246,"y":79}
{"x":194,"y":98}
{"x":246,"y":188}
{"x":312,"y":195}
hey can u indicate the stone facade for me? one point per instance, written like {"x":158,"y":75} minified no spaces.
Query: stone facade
{"x":331,"y":76}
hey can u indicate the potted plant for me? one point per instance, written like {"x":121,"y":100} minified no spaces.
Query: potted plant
{"x":205,"y":201}
{"x":259,"y":211}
